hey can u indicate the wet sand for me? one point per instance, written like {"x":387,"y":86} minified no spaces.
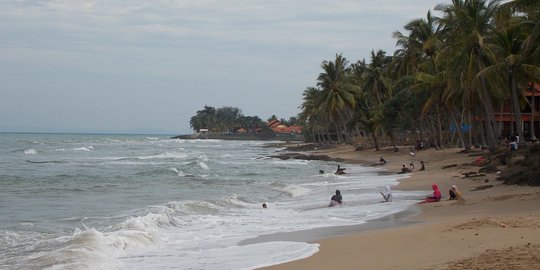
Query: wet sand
{"x":496,"y":227}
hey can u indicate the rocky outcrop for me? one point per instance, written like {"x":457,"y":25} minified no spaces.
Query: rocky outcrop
{"x":301,"y":156}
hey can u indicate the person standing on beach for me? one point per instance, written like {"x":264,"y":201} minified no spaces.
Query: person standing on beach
{"x":513,"y":145}
{"x":336,"y":199}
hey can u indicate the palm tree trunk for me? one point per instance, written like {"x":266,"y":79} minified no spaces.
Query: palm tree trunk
{"x":482,"y":136}
{"x":392,"y":139}
{"x":471,"y":129}
{"x":458,"y":128}
{"x":439,"y":129}
{"x":337,"y":127}
{"x":375,"y":141}
{"x":533,"y":111}
{"x":434,"y":134}
{"x":328,"y":136}
{"x":501,"y":122}
{"x":345,"y":133}
{"x":488,"y":117}
{"x":517,"y":108}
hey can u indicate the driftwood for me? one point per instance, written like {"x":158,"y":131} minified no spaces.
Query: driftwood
{"x":449,"y":166}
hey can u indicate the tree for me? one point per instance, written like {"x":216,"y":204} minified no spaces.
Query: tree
{"x":337,"y":93}
{"x":205,"y":118}
{"x":466,"y":25}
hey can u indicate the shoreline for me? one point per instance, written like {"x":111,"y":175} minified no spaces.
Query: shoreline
{"x":401,"y":218}
{"x":494,"y":219}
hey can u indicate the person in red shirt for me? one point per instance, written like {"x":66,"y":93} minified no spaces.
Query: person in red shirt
{"x":436,"y":195}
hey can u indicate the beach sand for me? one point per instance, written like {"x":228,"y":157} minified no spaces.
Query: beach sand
{"x":497,"y":227}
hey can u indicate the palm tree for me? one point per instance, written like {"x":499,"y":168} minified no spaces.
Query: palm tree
{"x":376,"y":79}
{"x":466,"y":25}
{"x":337,"y":93}
{"x":418,"y":52}
{"x":312,"y":114}
{"x":364,"y":112}
{"x":408,"y":56}
{"x":512,"y":66}
{"x":422,"y":42}
{"x":205,"y":118}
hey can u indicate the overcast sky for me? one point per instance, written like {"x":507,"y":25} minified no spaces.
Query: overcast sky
{"x":148,"y":66}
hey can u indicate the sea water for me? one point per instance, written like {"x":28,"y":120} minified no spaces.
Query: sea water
{"x":79,"y":201}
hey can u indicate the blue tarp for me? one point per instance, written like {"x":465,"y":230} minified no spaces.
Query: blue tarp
{"x":464,"y":128}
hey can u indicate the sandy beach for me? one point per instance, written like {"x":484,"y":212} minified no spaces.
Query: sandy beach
{"x":496,"y":227}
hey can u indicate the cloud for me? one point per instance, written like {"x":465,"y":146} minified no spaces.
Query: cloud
{"x":247,"y":53}
{"x":299,"y":22}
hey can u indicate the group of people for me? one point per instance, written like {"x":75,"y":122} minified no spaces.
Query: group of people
{"x":337,"y":199}
{"x":454,"y":194}
{"x":405,"y":169}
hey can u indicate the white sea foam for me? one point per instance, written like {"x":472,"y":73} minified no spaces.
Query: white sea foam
{"x":203,"y":158}
{"x":295,"y":190}
{"x":84,"y":148}
{"x":233,"y":257}
{"x":291,"y":161}
{"x":203,"y":165}
{"x":177,"y":171}
{"x":166,"y":155}
{"x":30,"y":151}
{"x":153,"y":217}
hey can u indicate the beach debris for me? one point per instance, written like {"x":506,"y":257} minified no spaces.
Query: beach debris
{"x":482,"y":187}
{"x":472,"y":174}
{"x":449,"y":166}
{"x":286,"y":156}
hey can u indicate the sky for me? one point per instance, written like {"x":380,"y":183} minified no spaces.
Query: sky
{"x":141,"y":66}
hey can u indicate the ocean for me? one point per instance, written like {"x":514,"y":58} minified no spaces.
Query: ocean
{"x":85,"y":201}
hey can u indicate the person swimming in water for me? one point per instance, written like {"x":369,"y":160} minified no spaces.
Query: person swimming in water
{"x":340,"y":170}
{"x":337,"y":199}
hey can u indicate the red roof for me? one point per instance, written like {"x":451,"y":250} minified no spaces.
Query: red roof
{"x":273,"y":123}
{"x":286,"y":129}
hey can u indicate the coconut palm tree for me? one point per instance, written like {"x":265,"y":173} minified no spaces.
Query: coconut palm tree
{"x":312,"y":115}
{"x":337,"y":93}
{"x":466,"y":24}
{"x":422,"y":42}
{"x":513,"y":66}
{"x":376,"y":79}
{"x":367,"y":115}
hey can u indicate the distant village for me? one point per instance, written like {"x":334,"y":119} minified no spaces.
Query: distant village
{"x":230,"y":123}
{"x":278,"y":131}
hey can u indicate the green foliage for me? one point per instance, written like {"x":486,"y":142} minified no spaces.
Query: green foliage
{"x":446,"y":71}
{"x":224,"y":119}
